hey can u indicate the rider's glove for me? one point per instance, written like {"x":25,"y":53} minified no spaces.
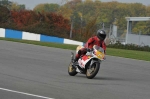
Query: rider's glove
{"x":88,"y":50}
{"x":104,"y":58}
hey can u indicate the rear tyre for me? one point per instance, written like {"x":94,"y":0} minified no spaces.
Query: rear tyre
{"x":91,"y":72}
{"x":71,"y":70}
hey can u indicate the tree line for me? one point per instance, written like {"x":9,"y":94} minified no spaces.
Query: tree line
{"x":84,"y":16}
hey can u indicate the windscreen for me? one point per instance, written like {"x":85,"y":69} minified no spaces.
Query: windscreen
{"x":98,"y":48}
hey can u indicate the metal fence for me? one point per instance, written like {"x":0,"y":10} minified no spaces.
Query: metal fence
{"x":115,"y":34}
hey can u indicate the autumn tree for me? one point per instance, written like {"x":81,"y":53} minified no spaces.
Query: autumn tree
{"x":24,"y":17}
{"x":86,"y":16}
{"x":5,"y":3}
{"x":58,"y":24}
{"x":17,"y":7}
{"x":46,"y":7}
{"x":4,"y":14}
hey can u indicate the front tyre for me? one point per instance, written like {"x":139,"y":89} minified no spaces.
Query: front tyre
{"x":71,"y":70}
{"x":91,"y":72}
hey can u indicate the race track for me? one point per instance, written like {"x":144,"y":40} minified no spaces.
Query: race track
{"x":38,"y":72}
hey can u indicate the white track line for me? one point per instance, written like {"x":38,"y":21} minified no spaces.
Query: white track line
{"x":25,"y":93}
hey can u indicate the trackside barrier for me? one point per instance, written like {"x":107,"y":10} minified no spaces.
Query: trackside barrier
{"x":8,"y":33}
{"x":30,"y":36}
{"x":2,"y":32}
{"x":51,"y":39}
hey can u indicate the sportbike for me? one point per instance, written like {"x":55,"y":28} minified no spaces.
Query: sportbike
{"x":88,"y":64}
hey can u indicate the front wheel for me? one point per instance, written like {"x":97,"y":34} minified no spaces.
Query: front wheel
{"x":93,"y":70}
{"x":71,"y":70}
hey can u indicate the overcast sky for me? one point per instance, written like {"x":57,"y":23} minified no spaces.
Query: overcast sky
{"x":30,"y":4}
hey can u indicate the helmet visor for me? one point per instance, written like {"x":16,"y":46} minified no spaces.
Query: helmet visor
{"x":102,"y":36}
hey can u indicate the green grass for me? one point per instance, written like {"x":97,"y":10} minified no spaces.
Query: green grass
{"x":48,"y":44}
{"x":140,"y":55}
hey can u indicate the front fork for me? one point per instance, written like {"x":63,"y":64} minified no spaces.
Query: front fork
{"x":72,"y":56}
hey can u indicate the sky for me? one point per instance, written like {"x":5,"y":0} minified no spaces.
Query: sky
{"x":30,"y":4}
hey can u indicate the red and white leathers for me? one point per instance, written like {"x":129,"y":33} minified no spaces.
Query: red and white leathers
{"x":89,"y":44}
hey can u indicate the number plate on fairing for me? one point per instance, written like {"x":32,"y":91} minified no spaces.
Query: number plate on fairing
{"x":82,"y":61}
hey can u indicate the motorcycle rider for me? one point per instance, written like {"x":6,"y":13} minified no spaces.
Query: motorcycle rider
{"x":96,"y":40}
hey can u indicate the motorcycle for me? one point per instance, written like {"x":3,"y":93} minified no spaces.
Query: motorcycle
{"x":88,"y":64}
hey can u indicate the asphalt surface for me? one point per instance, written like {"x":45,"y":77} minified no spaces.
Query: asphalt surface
{"x":38,"y":72}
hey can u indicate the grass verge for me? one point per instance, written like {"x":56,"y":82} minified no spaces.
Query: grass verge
{"x":140,"y":55}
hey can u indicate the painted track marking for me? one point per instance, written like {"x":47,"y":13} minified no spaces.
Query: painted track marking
{"x":28,"y":94}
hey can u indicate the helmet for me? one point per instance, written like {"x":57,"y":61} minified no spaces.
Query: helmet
{"x":101,"y":34}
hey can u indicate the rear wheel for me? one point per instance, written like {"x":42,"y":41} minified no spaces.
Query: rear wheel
{"x":92,"y":71}
{"x":71,"y":70}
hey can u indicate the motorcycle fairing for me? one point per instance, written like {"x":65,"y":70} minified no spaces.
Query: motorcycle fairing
{"x":84,"y":60}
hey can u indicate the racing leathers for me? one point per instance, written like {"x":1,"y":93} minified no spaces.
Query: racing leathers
{"x":89,"y":45}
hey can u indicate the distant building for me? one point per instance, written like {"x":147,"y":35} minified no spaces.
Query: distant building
{"x":137,"y":39}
